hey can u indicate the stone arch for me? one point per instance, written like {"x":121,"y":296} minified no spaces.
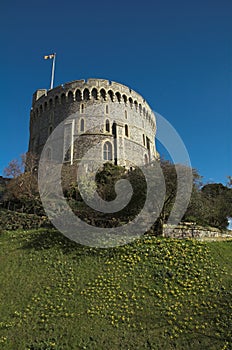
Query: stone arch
{"x":136,"y":105}
{"x":56,"y":100}
{"x":144,"y":111}
{"x":63,"y":98}
{"x":94,"y":93}
{"x":124,"y":98}
{"x":130,"y":101}
{"x":103,"y":94}
{"x":111,"y":95}
{"x":70,"y":96}
{"x":78,"y":95}
{"x":45,"y":105}
{"x":41,"y":109}
{"x":140,"y":108}
{"x":118,"y":95}
{"x":86,"y":96}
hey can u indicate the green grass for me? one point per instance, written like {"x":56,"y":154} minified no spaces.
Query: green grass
{"x":152,"y":294}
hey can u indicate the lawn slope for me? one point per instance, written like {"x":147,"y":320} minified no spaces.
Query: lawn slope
{"x":152,"y":294}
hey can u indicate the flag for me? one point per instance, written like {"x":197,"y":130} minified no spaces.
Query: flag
{"x":49,"y":57}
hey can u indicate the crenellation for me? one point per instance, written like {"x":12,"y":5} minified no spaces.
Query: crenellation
{"x":103,"y":108}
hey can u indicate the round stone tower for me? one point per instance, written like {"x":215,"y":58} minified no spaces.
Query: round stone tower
{"x":94,"y":112}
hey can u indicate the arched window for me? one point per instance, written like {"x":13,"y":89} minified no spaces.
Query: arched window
{"x":111,"y":94}
{"x":63,"y":98}
{"x":70,"y":96}
{"x":126,"y":114}
{"x":45,"y":105}
{"x":103,"y":94}
{"x":131,"y":102}
{"x":107,"y":151}
{"x":56,"y":100}
{"x":94,"y":93}
{"x":118,"y":95}
{"x":107,"y":125}
{"x":86,"y":95}
{"x":82,"y":125}
{"x":126,"y":130}
{"x":107,"y":109}
{"x":78,"y":95}
{"x":124,"y":98}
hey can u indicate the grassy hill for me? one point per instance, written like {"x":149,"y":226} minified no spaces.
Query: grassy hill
{"x":153,"y":294}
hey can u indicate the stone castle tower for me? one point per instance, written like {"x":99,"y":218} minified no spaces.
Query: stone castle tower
{"x":94,"y":112}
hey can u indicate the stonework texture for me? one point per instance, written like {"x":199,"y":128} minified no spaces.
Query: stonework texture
{"x":106,"y":119}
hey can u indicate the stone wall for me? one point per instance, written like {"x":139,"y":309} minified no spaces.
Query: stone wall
{"x":90,"y":106}
{"x":189,"y":230}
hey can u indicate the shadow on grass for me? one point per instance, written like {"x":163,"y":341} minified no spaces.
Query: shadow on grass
{"x":45,"y":239}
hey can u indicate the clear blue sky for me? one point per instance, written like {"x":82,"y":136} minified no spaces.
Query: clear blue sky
{"x":176,"y":54}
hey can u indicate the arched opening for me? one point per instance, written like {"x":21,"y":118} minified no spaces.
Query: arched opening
{"x":82,"y":125}
{"x":111,"y":94}
{"x":86,"y":95}
{"x":124,"y":98}
{"x":63,"y":99}
{"x":136,"y":105}
{"x":118,"y":95}
{"x":56,"y":100}
{"x":40,"y":109}
{"x":107,"y":151}
{"x":70,"y":96}
{"x":107,"y":125}
{"x":94,"y":93}
{"x":107,"y":109}
{"x":45,"y":105}
{"x":140,"y":108}
{"x":78,"y":95}
{"x":126,"y":130}
{"x":131,"y":102}
{"x":103,"y":94}
{"x":126,"y":114}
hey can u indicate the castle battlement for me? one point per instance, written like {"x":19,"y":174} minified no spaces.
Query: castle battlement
{"x":97,"y":110}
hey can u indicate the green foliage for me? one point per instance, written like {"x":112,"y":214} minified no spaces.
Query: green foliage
{"x":10,"y":220}
{"x":152,"y":294}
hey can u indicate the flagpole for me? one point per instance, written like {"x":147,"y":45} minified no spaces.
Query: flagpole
{"x":53,"y":71}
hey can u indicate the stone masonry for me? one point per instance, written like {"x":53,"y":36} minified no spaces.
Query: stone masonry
{"x":108,"y":119}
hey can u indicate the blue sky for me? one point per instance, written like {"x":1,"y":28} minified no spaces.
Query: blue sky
{"x":176,"y":54}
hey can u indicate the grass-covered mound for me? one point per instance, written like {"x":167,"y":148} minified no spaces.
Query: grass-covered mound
{"x":152,"y":294}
